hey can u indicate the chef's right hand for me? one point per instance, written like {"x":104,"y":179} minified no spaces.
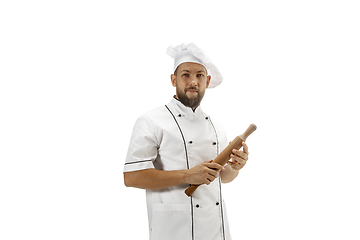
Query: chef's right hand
{"x":203,"y":173}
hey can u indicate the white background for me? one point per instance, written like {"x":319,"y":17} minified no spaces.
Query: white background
{"x":75,"y":75}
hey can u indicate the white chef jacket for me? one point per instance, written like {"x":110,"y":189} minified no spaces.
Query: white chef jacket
{"x":173,"y":137}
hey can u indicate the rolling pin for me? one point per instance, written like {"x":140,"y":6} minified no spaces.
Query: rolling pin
{"x":224,"y":156}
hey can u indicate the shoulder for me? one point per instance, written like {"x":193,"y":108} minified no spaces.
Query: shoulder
{"x":153,"y":115}
{"x":153,"y":119}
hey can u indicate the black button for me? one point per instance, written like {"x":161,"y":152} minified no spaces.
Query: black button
{"x":197,"y":206}
{"x":206,"y":118}
{"x":179,"y":115}
{"x":214,"y":143}
{"x":191,"y":142}
{"x":217,"y":203}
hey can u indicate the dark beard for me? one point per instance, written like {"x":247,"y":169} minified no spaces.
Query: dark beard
{"x":191,"y":103}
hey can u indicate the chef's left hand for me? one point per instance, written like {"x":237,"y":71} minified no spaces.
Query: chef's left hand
{"x":239,"y":158}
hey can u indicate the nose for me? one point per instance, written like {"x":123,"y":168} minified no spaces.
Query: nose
{"x":193,"y":81}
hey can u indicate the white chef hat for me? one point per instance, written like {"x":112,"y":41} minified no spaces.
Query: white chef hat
{"x":191,"y":53}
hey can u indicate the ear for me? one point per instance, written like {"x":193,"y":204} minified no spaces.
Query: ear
{"x":208,"y":81}
{"x":173,"y":80}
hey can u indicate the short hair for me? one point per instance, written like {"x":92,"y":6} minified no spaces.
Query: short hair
{"x":175,"y":72}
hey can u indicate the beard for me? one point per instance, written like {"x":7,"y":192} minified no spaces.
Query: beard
{"x":192,"y":102}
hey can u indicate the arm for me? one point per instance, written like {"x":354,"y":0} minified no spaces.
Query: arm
{"x":238,"y":161}
{"x":152,"y":179}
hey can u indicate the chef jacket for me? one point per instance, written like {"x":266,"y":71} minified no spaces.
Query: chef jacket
{"x":174,"y":137}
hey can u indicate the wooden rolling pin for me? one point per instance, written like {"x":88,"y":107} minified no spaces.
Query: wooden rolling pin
{"x":224,"y":156}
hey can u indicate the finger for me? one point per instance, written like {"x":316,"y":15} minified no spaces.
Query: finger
{"x":237,"y":165}
{"x":240,"y":162}
{"x":232,"y":164}
{"x":240,"y":154}
{"x":245,"y":148}
{"x":213,"y":173}
{"x":211,"y":178}
{"x":208,"y":181}
{"x":215,"y":166}
{"x":239,"y":159}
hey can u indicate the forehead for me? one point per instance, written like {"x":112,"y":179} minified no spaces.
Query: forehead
{"x":192,"y":67}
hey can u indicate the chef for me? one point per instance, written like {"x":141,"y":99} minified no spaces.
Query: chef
{"x":173,"y":146}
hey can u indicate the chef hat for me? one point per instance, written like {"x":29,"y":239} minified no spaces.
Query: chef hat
{"x":191,"y":53}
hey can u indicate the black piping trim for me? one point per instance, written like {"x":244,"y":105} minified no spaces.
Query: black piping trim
{"x":217,"y":138}
{"x":137,"y":162}
{"x":221,"y":201}
{"x":192,"y":219}
{"x":182,"y":135}
{"x":222,"y":212}
{"x":188,"y":167}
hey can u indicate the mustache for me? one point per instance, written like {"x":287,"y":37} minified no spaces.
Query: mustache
{"x":191,"y":88}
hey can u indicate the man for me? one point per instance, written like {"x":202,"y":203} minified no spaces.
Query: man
{"x":173,"y":146}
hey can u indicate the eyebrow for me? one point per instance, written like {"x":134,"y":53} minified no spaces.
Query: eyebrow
{"x":189,"y":71}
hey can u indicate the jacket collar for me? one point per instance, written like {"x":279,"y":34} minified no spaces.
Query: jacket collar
{"x":186,"y":111}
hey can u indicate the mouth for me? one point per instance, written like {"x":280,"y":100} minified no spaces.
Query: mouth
{"x":191,"y":90}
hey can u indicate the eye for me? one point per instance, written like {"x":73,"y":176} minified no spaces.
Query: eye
{"x":200,"y":75}
{"x":185,"y":75}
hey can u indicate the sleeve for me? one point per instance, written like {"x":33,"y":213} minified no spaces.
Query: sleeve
{"x":143,"y":147}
